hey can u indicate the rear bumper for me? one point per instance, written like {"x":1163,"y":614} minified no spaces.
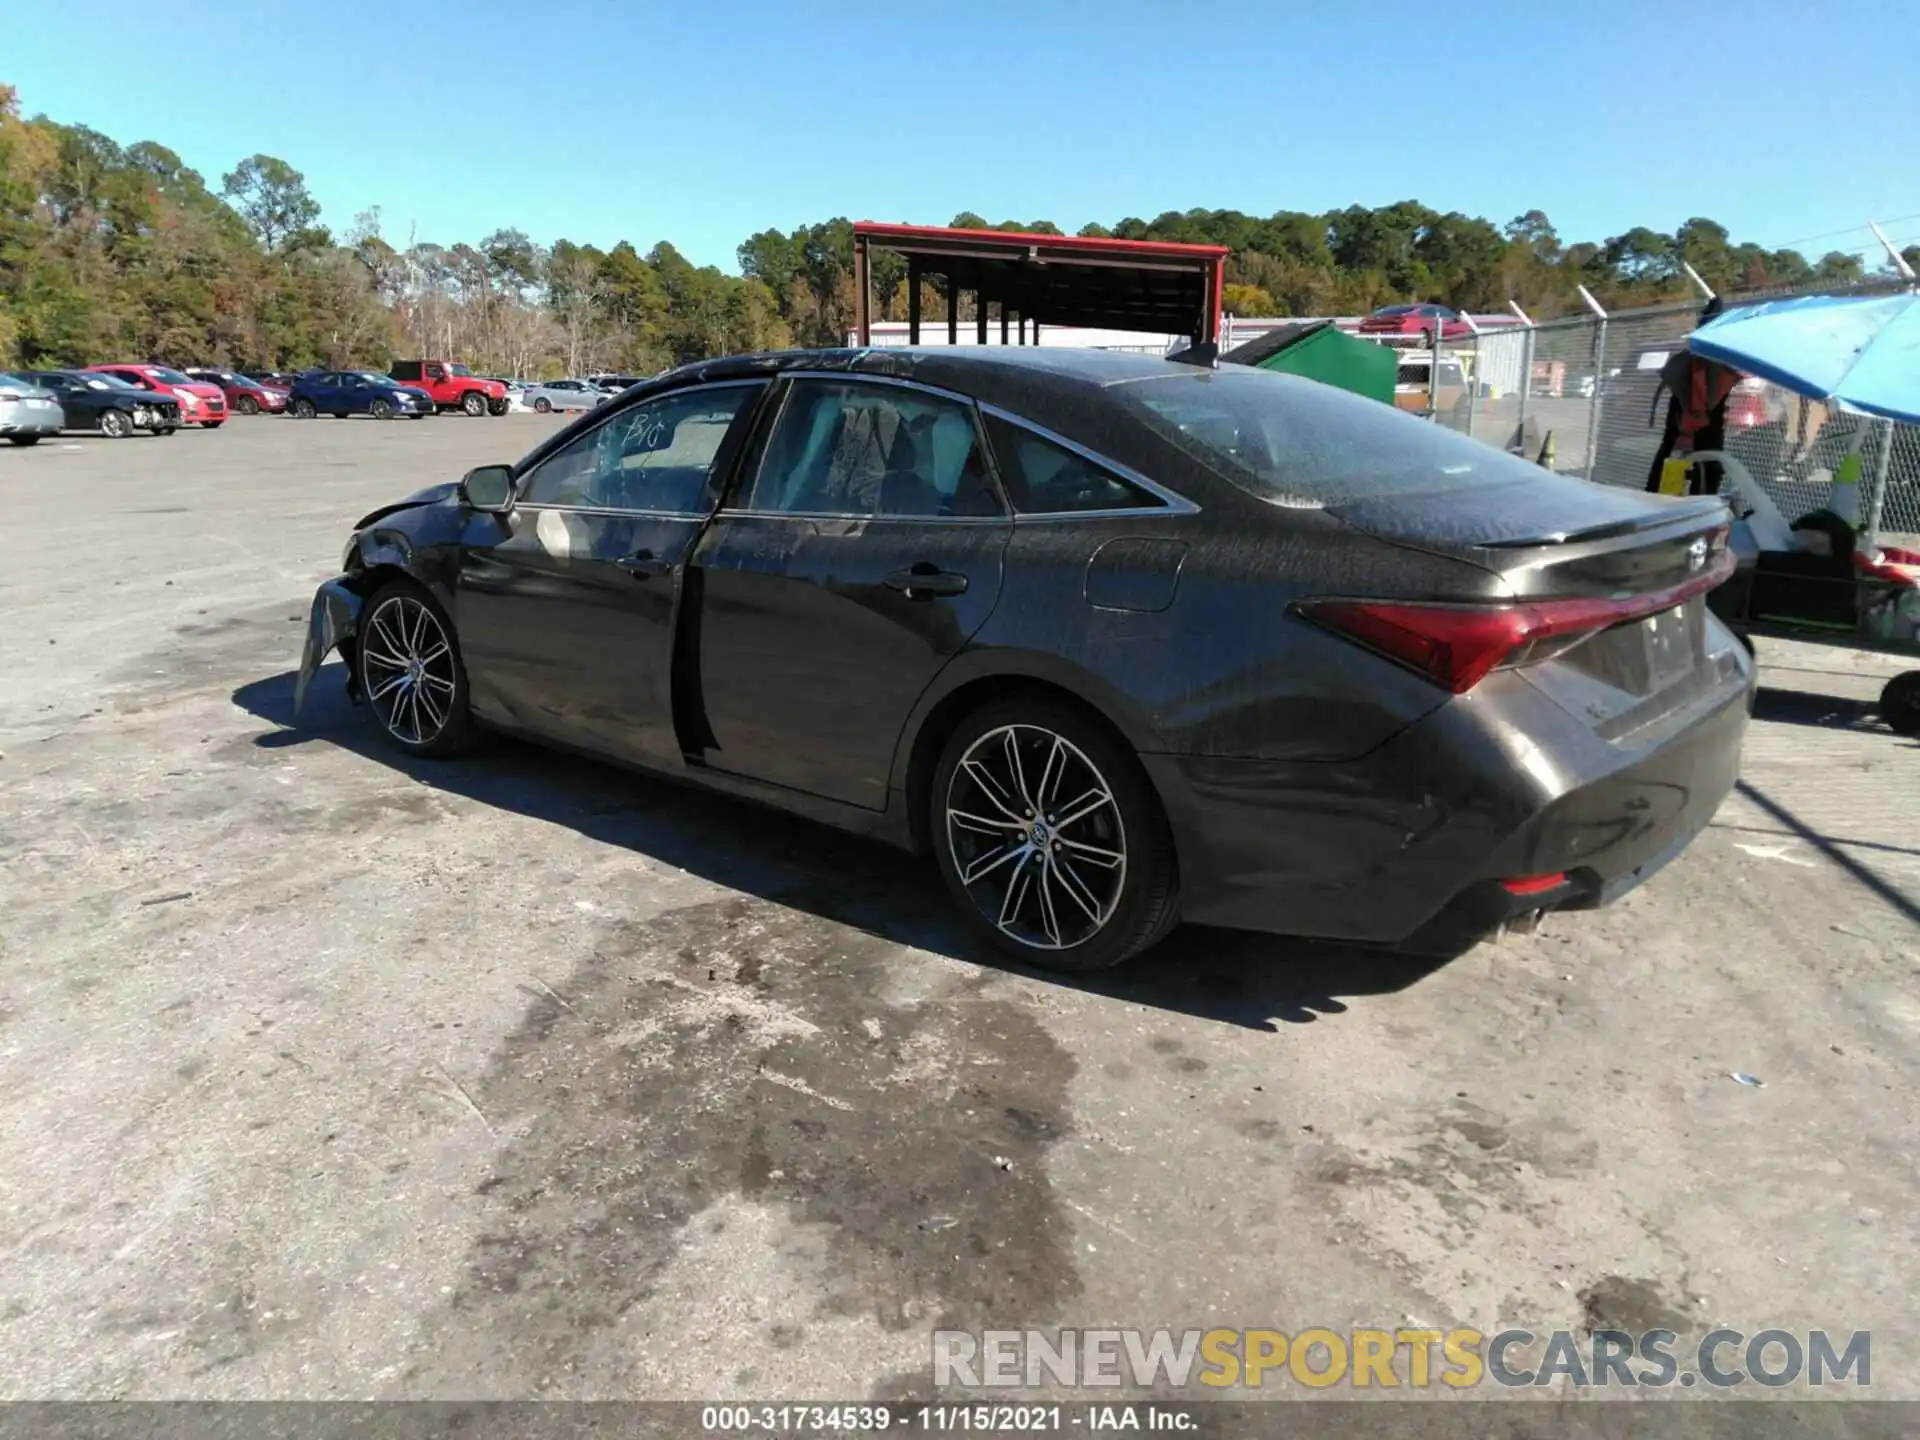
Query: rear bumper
{"x":1409,"y":844}
{"x":21,"y":418}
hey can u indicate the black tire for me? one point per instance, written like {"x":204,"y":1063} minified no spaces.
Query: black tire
{"x":247,"y":405}
{"x":301,"y":409}
{"x":211,"y":424}
{"x":24,"y":440}
{"x":116,"y":424}
{"x":543,"y":405}
{"x":497,"y":407}
{"x":165,"y":430}
{"x":402,"y":621}
{"x":1900,"y":703}
{"x":380,"y":410}
{"x":474,"y":403}
{"x":1122,"y":905}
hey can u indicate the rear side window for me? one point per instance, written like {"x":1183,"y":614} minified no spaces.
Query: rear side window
{"x":1297,"y":442}
{"x":1043,"y":478}
{"x":870,"y":450}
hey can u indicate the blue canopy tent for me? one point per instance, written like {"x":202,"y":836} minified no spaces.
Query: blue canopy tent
{"x":1862,"y":352}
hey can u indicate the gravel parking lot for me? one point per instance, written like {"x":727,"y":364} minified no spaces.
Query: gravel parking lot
{"x":329,"y":1074}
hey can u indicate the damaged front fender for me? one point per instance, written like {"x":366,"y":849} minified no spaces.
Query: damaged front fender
{"x":335,"y":617}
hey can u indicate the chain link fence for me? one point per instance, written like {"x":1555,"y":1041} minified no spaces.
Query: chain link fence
{"x":1583,"y":396}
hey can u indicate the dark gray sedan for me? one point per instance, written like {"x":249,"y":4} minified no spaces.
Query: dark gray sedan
{"x":1116,"y":639}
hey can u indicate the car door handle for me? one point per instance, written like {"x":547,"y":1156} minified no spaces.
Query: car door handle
{"x":924,"y":581}
{"x":643,"y":565}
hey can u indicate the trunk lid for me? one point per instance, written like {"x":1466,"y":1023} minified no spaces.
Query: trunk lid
{"x":1560,"y":544}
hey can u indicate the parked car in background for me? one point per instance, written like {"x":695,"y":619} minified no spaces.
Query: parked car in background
{"x":452,"y":387}
{"x":341,"y":393}
{"x":549,"y":395}
{"x":108,"y":404}
{"x":1415,"y":386}
{"x":200,"y":403}
{"x":615,"y":383}
{"x":1423,"y":322}
{"x":282,"y":378}
{"x":245,"y":395}
{"x":29,"y":411}
{"x":964,"y":600}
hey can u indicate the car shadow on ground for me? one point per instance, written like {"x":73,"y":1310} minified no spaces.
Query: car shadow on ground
{"x":1234,"y":977}
{"x":1821,"y":710}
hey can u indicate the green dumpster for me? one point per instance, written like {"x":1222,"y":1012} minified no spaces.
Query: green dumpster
{"x":1320,"y":350}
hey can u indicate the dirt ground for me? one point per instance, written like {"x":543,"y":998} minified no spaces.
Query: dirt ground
{"x":324,"y":1073}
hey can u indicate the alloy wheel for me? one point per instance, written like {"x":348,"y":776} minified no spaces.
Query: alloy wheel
{"x":408,"y":668}
{"x":115,"y":424}
{"x":380,"y":410}
{"x":1036,"y":836}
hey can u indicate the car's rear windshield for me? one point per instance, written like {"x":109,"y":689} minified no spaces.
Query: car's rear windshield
{"x":1298,"y":442}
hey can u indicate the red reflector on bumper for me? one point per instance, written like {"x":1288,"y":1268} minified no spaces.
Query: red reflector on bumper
{"x":1533,"y":884}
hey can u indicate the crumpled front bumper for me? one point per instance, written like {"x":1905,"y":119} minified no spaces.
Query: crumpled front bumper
{"x":332,"y":622}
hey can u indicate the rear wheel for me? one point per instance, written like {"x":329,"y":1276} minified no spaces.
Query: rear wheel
{"x":247,"y":405}
{"x":410,"y":671}
{"x":497,"y":407}
{"x":474,"y":403}
{"x":1050,"y":838}
{"x":301,"y":409}
{"x":380,"y":410}
{"x":116,"y":424}
{"x":1900,"y":703}
{"x":543,"y":405}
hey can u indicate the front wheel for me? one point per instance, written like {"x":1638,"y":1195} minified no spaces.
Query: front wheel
{"x":301,"y":409}
{"x":497,"y":407}
{"x":1900,"y":703}
{"x":410,"y":672}
{"x":474,"y":403}
{"x":116,"y":424}
{"x":380,"y":410}
{"x":1050,"y":838}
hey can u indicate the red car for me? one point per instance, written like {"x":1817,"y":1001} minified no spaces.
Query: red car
{"x":200,"y":403}
{"x":1426,"y":322}
{"x":245,"y":395}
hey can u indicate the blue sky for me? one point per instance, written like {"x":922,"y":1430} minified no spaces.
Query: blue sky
{"x":704,"y":123}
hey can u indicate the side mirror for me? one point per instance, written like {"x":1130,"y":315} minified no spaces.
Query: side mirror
{"x":489,"y":489}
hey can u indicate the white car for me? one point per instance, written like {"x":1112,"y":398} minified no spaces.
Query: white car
{"x":28,"y":411}
{"x":550,"y":395}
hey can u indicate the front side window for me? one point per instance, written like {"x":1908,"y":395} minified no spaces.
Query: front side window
{"x":869,"y":450}
{"x":1043,"y":478}
{"x":656,"y":456}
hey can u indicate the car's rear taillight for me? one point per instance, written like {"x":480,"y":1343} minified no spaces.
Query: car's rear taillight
{"x":11,"y":395}
{"x":1456,"y":646}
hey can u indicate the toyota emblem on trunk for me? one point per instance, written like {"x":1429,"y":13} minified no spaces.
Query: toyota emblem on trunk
{"x":1696,"y":554}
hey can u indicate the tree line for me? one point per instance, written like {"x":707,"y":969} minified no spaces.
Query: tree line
{"x":124,"y":252}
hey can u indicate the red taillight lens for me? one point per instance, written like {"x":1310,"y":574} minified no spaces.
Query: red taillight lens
{"x":1455,"y":646}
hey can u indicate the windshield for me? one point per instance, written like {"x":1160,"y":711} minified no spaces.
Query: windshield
{"x":459,"y":370}
{"x":170,"y":377}
{"x":1298,"y":442}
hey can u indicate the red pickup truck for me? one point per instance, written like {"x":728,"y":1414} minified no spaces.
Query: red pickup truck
{"x":453,"y":387}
